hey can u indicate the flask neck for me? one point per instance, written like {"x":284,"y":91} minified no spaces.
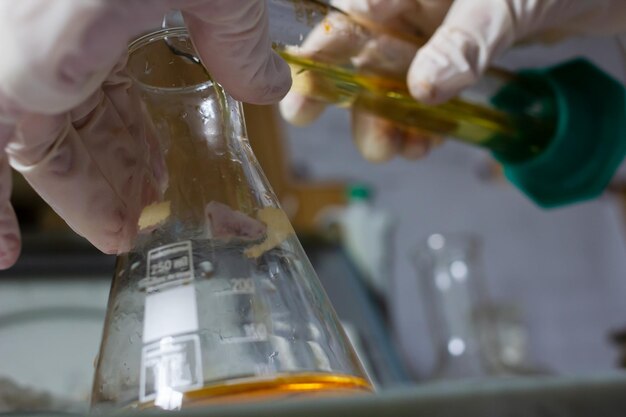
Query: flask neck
{"x":200,"y":151}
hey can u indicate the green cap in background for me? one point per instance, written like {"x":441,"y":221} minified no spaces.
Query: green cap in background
{"x":359,"y":192}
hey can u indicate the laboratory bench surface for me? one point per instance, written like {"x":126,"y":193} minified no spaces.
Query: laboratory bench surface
{"x":599,"y":395}
{"x":590,"y":395}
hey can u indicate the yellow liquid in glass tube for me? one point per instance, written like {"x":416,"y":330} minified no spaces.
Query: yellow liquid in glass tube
{"x":388,"y":98}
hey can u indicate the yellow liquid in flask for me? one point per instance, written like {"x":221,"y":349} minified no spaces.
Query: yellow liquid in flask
{"x":299,"y":385}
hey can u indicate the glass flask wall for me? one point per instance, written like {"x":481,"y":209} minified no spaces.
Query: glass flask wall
{"x":216,"y":299}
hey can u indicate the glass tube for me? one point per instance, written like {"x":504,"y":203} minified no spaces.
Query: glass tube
{"x":507,"y":114}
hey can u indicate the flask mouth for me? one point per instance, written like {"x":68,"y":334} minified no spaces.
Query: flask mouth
{"x":166,"y":60}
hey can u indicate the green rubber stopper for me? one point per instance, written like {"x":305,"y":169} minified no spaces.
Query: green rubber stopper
{"x":590,"y":137}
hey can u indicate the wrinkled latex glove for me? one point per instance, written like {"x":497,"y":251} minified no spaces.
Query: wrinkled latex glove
{"x":66,"y":108}
{"x":465,"y":37}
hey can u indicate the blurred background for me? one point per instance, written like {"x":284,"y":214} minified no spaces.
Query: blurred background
{"x":438,"y":268}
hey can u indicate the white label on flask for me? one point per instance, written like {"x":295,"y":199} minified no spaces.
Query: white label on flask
{"x":169,"y":313}
{"x":167,"y":266}
{"x":171,"y":362}
{"x":170,"y":367}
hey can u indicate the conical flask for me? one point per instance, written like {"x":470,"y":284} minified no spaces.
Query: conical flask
{"x":216,"y":299}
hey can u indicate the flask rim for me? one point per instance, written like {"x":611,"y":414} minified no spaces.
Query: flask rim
{"x":156,"y":36}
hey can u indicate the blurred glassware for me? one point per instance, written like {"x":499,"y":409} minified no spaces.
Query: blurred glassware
{"x":504,"y":339}
{"x":473,"y":337}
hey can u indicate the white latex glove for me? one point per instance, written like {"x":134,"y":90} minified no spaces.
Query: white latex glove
{"x":466,"y":36}
{"x":65,"y":105}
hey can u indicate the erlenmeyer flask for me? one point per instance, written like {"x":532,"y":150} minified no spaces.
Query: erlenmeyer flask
{"x":216,"y":300}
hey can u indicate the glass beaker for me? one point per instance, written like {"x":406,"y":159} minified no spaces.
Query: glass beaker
{"x":450,"y":278}
{"x":216,"y":300}
{"x":473,"y":336}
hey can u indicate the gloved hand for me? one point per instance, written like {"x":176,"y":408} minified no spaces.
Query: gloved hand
{"x":65,"y":117}
{"x":466,"y":36}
